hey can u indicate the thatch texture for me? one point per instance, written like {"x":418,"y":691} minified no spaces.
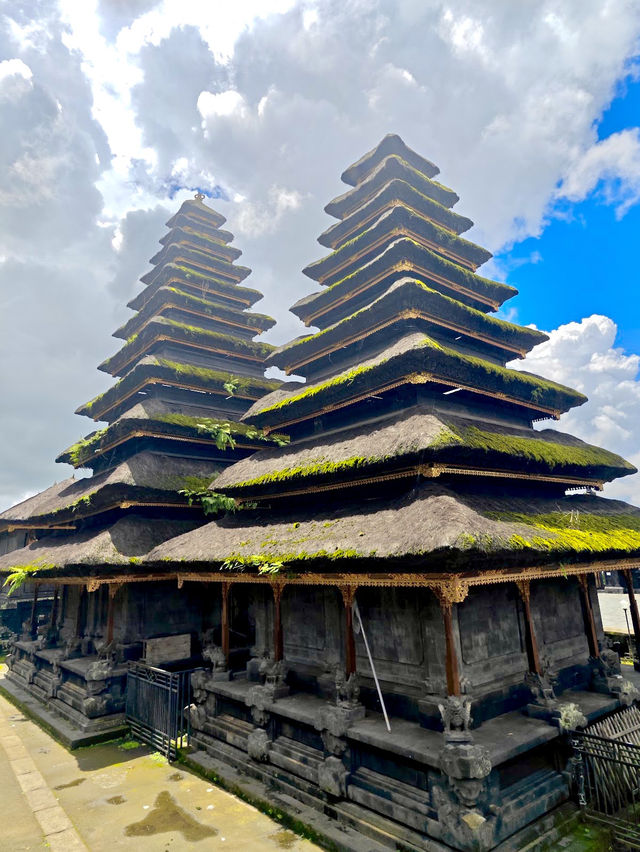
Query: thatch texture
{"x":431,"y":528}
{"x":159,"y":329}
{"x":194,"y":210}
{"x":200,"y":243}
{"x":393,"y":223}
{"x":152,"y":370}
{"x":417,"y":437}
{"x":396,"y":192}
{"x":174,"y":275}
{"x":407,"y":296}
{"x":154,"y":418}
{"x":389,"y":168}
{"x":413,"y":358}
{"x":194,"y":309}
{"x":122,"y":543}
{"x":390,"y":144}
{"x":397,"y":260}
{"x":144,"y":478}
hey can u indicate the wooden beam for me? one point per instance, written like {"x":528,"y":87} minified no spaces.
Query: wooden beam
{"x":633,"y":606}
{"x":278,"y":644}
{"x":348,"y":596}
{"x":533,"y":655}
{"x":589,"y":620}
{"x":224,"y":621}
{"x":34,"y":611}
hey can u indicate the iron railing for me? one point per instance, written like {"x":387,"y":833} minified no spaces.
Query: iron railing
{"x":157,"y":707}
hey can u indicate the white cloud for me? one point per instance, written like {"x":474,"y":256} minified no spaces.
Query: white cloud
{"x":612,"y":167}
{"x":111,"y":112}
{"x":583,"y":355}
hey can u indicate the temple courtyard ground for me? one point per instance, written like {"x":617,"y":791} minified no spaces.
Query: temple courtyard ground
{"x":113,"y":797}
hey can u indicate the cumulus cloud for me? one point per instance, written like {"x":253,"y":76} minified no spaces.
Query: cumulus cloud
{"x":113,"y":111}
{"x":584,"y":356}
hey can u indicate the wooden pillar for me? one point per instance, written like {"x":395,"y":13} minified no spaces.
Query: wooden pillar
{"x":533,"y":655}
{"x":113,"y":590}
{"x":449,"y":594}
{"x":80,"y":612}
{"x":589,"y":620}
{"x":278,"y":646}
{"x":633,"y":606}
{"x":348,"y":594}
{"x":34,"y":611}
{"x":54,"y":609}
{"x":224,"y":621}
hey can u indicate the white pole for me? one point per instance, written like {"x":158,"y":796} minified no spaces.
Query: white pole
{"x":375,"y":676}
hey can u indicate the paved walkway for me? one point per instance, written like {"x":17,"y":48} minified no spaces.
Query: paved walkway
{"x":109,"y":797}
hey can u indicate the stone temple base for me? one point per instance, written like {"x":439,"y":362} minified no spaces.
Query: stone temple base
{"x":81,"y":700}
{"x":404,"y":789}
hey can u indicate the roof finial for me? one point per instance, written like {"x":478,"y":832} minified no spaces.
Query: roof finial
{"x":199,"y":196}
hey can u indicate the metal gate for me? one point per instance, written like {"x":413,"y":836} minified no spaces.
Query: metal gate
{"x":607,"y":774}
{"x":157,"y":707}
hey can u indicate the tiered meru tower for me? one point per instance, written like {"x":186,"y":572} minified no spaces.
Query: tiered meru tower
{"x":416,"y":487}
{"x":187,"y":372}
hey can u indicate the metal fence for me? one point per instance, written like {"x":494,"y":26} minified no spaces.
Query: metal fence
{"x":607,"y":776}
{"x":157,"y":707}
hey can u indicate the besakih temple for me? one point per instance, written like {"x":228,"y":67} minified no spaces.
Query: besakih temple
{"x":401,"y":618}
{"x":187,"y":372}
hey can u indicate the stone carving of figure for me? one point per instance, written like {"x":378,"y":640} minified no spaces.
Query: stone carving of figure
{"x":456,"y":718}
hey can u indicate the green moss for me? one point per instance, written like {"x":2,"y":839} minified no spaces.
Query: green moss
{"x":318,"y":469}
{"x":82,"y":449}
{"x":452,"y":366}
{"x":20,"y":574}
{"x":536,"y":450}
{"x":240,"y":429}
{"x":227,"y":342}
{"x":574,"y":531}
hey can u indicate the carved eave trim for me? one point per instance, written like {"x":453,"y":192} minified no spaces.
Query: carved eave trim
{"x":207,"y":287}
{"x":158,"y":380}
{"x":452,"y":587}
{"x":199,"y":266}
{"x":121,"y":504}
{"x":428,"y":471}
{"x":165,"y":436}
{"x":362,"y":224}
{"x":411,"y":268}
{"x":178,"y":341}
{"x":408,"y":313}
{"x":169,"y":305}
{"x":414,"y":379}
{"x":393,"y":234}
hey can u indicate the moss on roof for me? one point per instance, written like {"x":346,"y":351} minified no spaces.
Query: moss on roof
{"x":152,"y":367}
{"x":420,"y":354}
{"x":575,"y":532}
{"x":391,"y":220}
{"x":410,"y":293}
{"x":178,"y":331}
{"x":182,"y":425}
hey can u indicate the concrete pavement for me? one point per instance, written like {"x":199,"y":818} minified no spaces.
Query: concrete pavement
{"x":108,"y":797}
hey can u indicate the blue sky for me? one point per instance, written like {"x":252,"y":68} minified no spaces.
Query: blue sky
{"x":586,"y":259}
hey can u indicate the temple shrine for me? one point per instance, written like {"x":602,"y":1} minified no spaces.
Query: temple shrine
{"x":400,"y":619}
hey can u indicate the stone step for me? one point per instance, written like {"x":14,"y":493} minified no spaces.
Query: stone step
{"x":297,"y":758}
{"x":385,"y":831}
{"x":229,"y":729}
{"x":545,"y":785}
{"x":392,"y":788}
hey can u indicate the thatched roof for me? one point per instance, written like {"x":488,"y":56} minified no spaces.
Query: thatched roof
{"x":413,"y":438}
{"x":188,"y":230}
{"x":174,"y":275}
{"x":155,"y":418}
{"x":160,"y":329}
{"x":195,"y":210}
{"x":390,"y":144}
{"x":431,"y":528}
{"x":196,"y":262}
{"x":412,"y":359}
{"x":392,"y":166}
{"x":194,"y":309}
{"x":395,"y":192}
{"x":121,"y":543}
{"x":152,"y":370}
{"x":403,"y":257}
{"x":408,"y":298}
{"x":200,"y":243}
{"x":393,"y":223}
{"x":144,"y":478}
